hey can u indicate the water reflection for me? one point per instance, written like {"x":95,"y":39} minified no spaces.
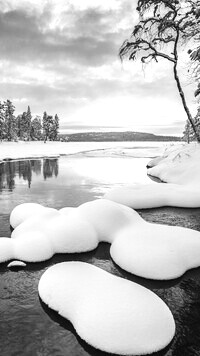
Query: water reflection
{"x":66,"y":181}
{"x":12,"y":170}
{"x":7,"y":175}
{"x":50,"y":168}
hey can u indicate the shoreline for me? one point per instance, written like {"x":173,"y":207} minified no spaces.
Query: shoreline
{"x":37,"y":149}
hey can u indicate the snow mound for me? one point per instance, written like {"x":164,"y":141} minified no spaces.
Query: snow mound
{"x":179,"y":168}
{"x":146,"y":196}
{"x":23,"y":211}
{"x":16,"y":264}
{"x":156,"y":251}
{"x":110,"y":313}
{"x":178,"y":165}
{"x":147,"y":250}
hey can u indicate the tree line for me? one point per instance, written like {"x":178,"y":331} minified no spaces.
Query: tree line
{"x":24,"y":126}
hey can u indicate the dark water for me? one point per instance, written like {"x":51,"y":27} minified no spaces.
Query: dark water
{"x":27,"y":326}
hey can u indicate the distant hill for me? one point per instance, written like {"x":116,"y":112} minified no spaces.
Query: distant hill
{"x":116,"y":136}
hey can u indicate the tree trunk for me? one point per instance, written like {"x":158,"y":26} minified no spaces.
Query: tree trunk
{"x":176,"y":77}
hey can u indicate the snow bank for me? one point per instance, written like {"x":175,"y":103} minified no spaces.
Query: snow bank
{"x":21,"y":149}
{"x":145,"y":196}
{"x":179,"y":167}
{"x":34,"y":149}
{"x":145,"y":249}
{"x":110,"y":313}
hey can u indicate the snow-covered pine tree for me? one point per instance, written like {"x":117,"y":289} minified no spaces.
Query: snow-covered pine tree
{"x":45,"y":126}
{"x":10,"y":121}
{"x":19,"y":126}
{"x":188,"y":132}
{"x":56,"y":124}
{"x":23,"y":133}
{"x":51,"y":126}
{"x":36,"y":129}
{"x":2,"y":121}
{"x":197,"y":120}
{"x":28,"y":123}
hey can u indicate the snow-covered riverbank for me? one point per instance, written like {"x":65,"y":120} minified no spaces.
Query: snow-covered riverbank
{"x":179,"y":167}
{"x":38,"y":149}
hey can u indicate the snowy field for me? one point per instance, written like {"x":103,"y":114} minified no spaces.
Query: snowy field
{"x":21,"y":149}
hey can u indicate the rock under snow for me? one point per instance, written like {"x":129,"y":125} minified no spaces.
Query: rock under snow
{"x":24,"y":211}
{"x":142,"y":248}
{"x":16,"y":264}
{"x":110,"y":313}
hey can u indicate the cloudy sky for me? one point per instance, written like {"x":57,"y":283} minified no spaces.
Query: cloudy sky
{"x":62,"y":56}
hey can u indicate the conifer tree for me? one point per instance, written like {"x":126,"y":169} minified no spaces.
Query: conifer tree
{"x":10,"y":122}
{"x":197,"y":120}
{"x":56,"y":124}
{"x":19,"y":127}
{"x":28,"y":123}
{"x":187,"y":133}
{"x":45,"y":126}
{"x":51,"y":127}
{"x":36,"y":129}
{"x":2,"y":122}
{"x":23,"y":126}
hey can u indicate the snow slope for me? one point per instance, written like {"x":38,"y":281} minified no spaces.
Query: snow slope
{"x":142,"y":248}
{"x":108,"y":312}
{"x":179,"y":167}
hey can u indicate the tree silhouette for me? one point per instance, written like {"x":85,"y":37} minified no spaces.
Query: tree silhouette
{"x":163,"y":27}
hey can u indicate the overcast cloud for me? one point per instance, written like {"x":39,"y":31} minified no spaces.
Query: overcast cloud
{"x":62,"y":56}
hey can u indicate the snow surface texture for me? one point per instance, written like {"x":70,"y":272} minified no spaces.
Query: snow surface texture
{"x":179,"y":168}
{"x":108,"y":312}
{"x":142,"y":248}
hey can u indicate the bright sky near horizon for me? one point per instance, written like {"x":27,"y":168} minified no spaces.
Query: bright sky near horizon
{"x":62,"y":56}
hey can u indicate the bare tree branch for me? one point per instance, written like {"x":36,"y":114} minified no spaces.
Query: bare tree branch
{"x":163,"y":26}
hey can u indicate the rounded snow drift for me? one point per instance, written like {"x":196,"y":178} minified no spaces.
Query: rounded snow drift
{"x":108,"y":312}
{"x":23,"y":211}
